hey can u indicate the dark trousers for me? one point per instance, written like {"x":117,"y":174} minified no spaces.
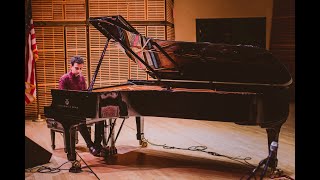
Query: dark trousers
{"x":98,"y":134}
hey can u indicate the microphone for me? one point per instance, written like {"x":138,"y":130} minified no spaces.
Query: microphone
{"x":273,"y":148}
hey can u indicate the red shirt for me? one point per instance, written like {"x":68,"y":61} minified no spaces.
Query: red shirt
{"x":71,"y":82}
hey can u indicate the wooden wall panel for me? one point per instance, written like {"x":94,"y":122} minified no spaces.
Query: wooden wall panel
{"x":156,"y":32}
{"x":156,"y":10}
{"x":98,"y":8}
{"x":46,"y":11}
{"x":169,"y":10}
{"x":282,"y":42}
{"x":51,"y":63}
{"x":76,"y":44}
{"x":58,"y":10}
{"x":136,"y":10}
{"x":170,"y":33}
{"x":75,"y":10}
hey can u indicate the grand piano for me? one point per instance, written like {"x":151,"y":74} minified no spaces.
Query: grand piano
{"x":242,"y":84}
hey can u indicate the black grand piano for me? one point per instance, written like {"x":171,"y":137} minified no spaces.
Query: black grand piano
{"x":242,"y":84}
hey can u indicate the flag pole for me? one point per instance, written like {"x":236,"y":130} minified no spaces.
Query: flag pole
{"x":39,"y":119}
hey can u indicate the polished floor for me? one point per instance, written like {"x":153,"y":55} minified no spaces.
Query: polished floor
{"x":156,"y":162}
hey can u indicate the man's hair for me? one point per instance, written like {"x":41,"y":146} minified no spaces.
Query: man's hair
{"x":76,"y":59}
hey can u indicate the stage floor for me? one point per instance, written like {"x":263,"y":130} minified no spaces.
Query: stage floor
{"x":155,"y":162}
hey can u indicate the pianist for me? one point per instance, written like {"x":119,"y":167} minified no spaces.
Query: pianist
{"x":74,"y":80}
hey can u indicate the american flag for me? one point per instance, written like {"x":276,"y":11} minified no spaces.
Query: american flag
{"x":31,"y":55}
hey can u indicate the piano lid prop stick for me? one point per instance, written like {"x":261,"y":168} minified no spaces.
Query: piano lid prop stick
{"x":98,"y":66}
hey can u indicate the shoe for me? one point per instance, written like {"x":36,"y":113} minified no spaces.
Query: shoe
{"x":94,"y":151}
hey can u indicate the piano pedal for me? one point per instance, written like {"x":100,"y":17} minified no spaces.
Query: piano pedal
{"x":76,"y":167}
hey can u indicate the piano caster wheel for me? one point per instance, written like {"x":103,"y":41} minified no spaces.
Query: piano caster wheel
{"x":53,"y":147}
{"x":144,"y":144}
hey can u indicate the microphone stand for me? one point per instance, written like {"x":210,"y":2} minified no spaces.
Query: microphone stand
{"x":39,"y":119}
{"x":265,"y":168}
{"x":258,"y":167}
{"x":273,"y":148}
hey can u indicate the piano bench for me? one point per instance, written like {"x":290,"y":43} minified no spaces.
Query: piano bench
{"x":55,"y":126}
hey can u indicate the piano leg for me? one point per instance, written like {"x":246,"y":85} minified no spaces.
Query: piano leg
{"x":66,"y":143}
{"x":271,"y":161}
{"x":89,"y":130}
{"x":53,"y":135}
{"x":72,"y":150}
{"x":105,"y":133}
{"x":76,"y":137}
{"x":76,"y":165}
{"x":273,"y":135}
{"x":69,"y":137}
{"x":109,"y":130}
{"x":140,"y":132}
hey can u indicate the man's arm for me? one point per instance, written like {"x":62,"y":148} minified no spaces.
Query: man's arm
{"x":84,"y":85}
{"x":62,"y":82}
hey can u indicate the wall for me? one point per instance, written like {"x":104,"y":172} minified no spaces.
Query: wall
{"x":187,"y":11}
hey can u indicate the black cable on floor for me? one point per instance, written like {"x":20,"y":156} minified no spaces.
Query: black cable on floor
{"x":203,"y":149}
{"x":88,"y":166}
{"x":240,"y":160}
{"x":46,"y":169}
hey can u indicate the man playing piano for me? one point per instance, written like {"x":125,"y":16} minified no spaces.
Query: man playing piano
{"x":74,"y":80}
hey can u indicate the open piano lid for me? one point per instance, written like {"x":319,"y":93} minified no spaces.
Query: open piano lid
{"x":196,"y":61}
